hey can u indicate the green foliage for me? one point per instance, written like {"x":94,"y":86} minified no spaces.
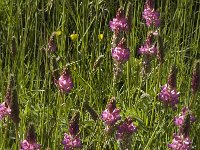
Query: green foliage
{"x":32,"y":22}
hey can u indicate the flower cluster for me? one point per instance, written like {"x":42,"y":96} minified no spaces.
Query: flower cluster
{"x":184,"y":120}
{"x":169,"y":96}
{"x":72,"y":140}
{"x":111,"y":114}
{"x":120,"y":22}
{"x":65,"y":82}
{"x":126,"y":129}
{"x":30,"y":142}
{"x":123,"y":130}
{"x":151,"y":16}
{"x":120,"y":53}
{"x":181,"y":141}
{"x":26,"y":145}
{"x":74,"y":36}
{"x":149,"y":48}
{"x":4,"y":110}
{"x":153,"y":44}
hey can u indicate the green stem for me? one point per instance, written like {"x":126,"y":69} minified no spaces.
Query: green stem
{"x":155,"y":98}
{"x":17,"y":137}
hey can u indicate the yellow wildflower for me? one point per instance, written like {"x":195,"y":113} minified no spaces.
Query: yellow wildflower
{"x":58,"y":33}
{"x":73,"y":37}
{"x":100,"y":36}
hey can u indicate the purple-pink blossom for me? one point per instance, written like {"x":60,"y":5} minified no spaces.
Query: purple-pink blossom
{"x":111,"y":114}
{"x":151,"y":16}
{"x":120,"y":53}
{"x":149,"y":48}
{"x":30,"y":142}
{"x":169,"y":96}
{"x":28,"y":145}
{"x":126,"y":129}
{"x":65,"y":82}
{"x":180,"y":142}
{"x":71,"y":142}
{"x":119,"y":23}
{"x":180,"y":120}
{"x":111,"y":117}
{"x":4,"y":110}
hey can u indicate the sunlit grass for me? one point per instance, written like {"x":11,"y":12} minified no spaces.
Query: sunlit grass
{"x":33,"y":22}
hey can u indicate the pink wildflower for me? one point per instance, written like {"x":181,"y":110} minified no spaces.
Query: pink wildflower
{"x":120,"y":22}
{"x":180,"y":142}
{"x":30,"y":142}
{"x":184,"y":120}
{"x":71,"y":142}
{"x":4,"y":110}
{"x":180,"y":120}
{"x":111,"y":115}
{"x":150,"y":15}
{"x":65,"y":82}
{"x":120,"y":53}
{"x":169,"y":96}
{"x":149,"y":48}
{"x":27,"y":145}
{"x":126,"y":129}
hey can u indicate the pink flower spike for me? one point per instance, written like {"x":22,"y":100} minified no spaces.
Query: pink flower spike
{"x":70,"y":142}
{"x":110,"y":118}
{"x":149,"y":48}
{"x":30,"y":142}
{"x":120,"y":53}
{"x":119,"y":23}
{"x":180,"y":142}
{"x":125,"y":130}
{"x":169,"y":96}
{"x":25,"y":145}
{"x":4,"y":110}
{"x":151,"y":16}
{"x":180,"y":120}
{"x":65,"y":82}
{"x":111,"y":114}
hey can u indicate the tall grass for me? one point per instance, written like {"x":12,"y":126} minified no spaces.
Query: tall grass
{"x":32,"y":23}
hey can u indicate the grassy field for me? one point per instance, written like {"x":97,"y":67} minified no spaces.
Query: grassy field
{"x":30,"y":23}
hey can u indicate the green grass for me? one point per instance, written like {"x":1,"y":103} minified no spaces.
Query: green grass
{"x":32,"y":23}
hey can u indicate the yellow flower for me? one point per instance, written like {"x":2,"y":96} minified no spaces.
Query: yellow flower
{"x":74,"y":67}
{"x":73,"y":37}
{"x":58,"y":33}
{"x":100,"y":36}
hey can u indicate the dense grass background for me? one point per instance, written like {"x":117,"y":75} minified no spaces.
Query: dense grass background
{"x":32,"y":22}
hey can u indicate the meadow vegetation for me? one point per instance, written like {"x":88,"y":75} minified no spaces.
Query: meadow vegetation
{"x":41,"y":40}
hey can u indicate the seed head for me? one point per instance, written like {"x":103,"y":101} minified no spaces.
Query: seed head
{"x":74,"y":124}
{"x":172,"y":77}
{"x":52,"y":46}
{"x":11,"y":100}
{"x":195,"y":84}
